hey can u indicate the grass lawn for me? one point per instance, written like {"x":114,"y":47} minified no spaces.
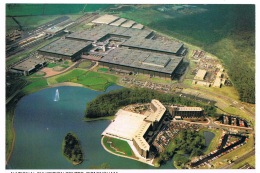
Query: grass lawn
{"x":226,"y":91}
{"x":51,"y":65}
{"x":37,"y":84}
{"x":249,"y":160}
{"x":119,"y":145}
{"x":68,"y":77}
{"x":104,"y":70}
{"x":85,"y":64}
{"x":90,"y":79}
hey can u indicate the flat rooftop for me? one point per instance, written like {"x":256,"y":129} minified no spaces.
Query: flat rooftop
{"x":138,"y":26}
{"x":143,"y":60}
{"x":28,"y":64}
{"x":99,"y":32}
{"x":128,"y":24}
{"x":156,"y":115}
{"x":118,"y":22}
{"x":157,"y":45}
{"x":125,"y":125}
{"x":200,"y":74}
{"x":189,"y":109}
{"x":105,"y":19}
{"x":65,"y":47}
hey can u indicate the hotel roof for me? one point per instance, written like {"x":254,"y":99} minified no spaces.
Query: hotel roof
{"x":125,"y":125}
{"x":157,"y":115}
{"x":139,"y":137}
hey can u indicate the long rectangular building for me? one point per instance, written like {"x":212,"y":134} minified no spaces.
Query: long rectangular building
{"x":64,"y":48}
{"x":169,"y":47}
{"x":187,"y":112}
{"x":137,"y":61}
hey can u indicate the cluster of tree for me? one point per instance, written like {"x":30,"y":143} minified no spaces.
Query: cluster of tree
{"x":180,"y":160}
{"x":107,"y":104}
{"x":71,"y":149}
{"x":188,"y":142}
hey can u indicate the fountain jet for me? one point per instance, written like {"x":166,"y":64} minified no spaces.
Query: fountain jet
{"x":57,"y":96}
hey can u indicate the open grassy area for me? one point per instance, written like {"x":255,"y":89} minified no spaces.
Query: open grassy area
{"x":225,"y":90}
{"x":29,"y":22}
{"x":51,"y":65}
{"x":35,"y":85}
{"x":90,"y":79}
{"x":118,"y":146}
{"x":104,"y":70}
{"x":249,"y":160}
{"x":85,"y":64}
{"x":52,"y":9}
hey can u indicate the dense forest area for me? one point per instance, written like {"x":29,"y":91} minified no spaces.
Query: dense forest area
{"x":71,"y":149}
{"x":227,"y":31}
{"x":107,"y":104}
{"x":188,"y":144}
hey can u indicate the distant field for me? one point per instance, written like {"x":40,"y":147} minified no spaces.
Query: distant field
{"x":29,"y":21}
{"x":51,"y":9}
{"x":34,"y":15}
{"x":227,"y":31}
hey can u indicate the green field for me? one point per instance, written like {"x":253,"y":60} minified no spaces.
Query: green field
{"x":90,"y":79}
{"x":51,"y":65}
{"x":120,"y":146}
{"x":52,"y":9}
{"x":85,"y":64}
{"x":104,"y":70}
{"x":35,"y":85}
{"x":227,"y":31}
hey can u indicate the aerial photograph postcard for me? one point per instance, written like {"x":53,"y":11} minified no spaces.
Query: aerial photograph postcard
{"x":129,"y":86}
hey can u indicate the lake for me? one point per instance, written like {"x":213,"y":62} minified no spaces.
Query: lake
{"x":41,"y":124}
